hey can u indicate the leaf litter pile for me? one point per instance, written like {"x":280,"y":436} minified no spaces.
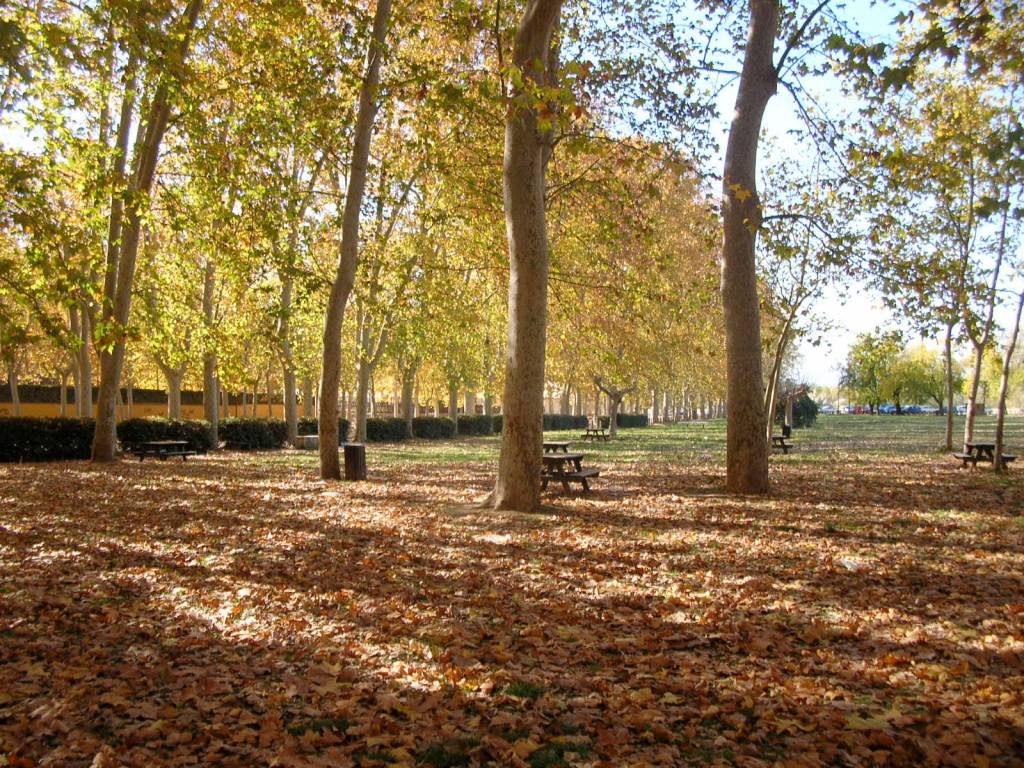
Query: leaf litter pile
{"x":230,"y":611}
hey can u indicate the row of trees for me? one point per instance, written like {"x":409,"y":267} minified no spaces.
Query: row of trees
{"x":449,"y":196}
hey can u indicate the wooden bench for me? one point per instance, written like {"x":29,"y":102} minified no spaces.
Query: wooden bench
{"x":779,"y":441}
{"x":581,"y":476}
{"x":163,"y":449}
{"x":974,"y":458}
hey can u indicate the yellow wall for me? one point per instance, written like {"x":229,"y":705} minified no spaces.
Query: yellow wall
{"x":139,"y":410}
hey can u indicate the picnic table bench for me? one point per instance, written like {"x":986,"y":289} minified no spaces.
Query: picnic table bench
{"x":779,"y":441}
{"x":566,"y":468}
{"x":595,"y":433}
{"x":975,"y":452}
{"x":163,"y":449}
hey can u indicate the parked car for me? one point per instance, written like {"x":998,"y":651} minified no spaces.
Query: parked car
{"x":826,"y":408}
{"x":913,"y":410}
{"x":887,"y":409}
{"x":960,"y":410}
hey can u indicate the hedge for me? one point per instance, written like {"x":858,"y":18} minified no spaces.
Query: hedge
{"x":312,"y":427}
{"x":252,"y":434}
{"x":475,"y":425}
{"x":131,"y":432}
{"x":627,"y":420}
{"x":386,"y":430}
{"x":433,"y":428}
{"x":552,"y":421}
{"x":30,"y":439}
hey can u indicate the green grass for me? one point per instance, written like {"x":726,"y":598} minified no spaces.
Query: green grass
{"x":860,"y":436}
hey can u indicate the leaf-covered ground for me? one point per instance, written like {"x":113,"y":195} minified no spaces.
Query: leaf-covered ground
{"x":235,"y":610}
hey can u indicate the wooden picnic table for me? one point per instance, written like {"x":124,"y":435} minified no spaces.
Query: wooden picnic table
{"x":566,"y":467}
{"x":163,"y":449}
{"x":980,"y":451}
{"x":779,"y":441}
{"x":595,"y":433}
{"x":556,"y":445}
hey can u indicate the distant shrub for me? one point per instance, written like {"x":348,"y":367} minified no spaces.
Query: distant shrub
{"x":252,"y":434}
{"x":131,"y":432}
{"x":31,"y":439}
{"x":475,"y":425}
{"x":386,"y":430}
{"x":433,"y":428}
{"x":496,"y":424}
{"x":805,"y":411}
{"x":627,"y":420}
{"x":312,"y":427}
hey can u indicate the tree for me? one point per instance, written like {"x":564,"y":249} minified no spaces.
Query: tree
{"x":344,"y":277}
{"x":1004,"y":386}
{"x":870,"y":367}
{"x":527,"y":150}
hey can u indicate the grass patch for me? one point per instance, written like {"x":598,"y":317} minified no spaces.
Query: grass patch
{"x":524,"y":690}
{"x":319,"y":725}
{"x":451,"y":753}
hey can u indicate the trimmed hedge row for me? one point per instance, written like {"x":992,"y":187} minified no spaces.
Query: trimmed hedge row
{"x":627,"y":420}
{"x":252,"y":434}
{"x":30,"y":439}
{"x":476,"y":425}
{"x":390,"y":430}
{"x":131,"y":432}
{"x":433,"y":428}
{"x":552,"y":422}
{"x":312,"y":427}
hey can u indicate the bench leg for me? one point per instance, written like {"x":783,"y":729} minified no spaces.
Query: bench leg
{"x":544,"y":484}
{"x":586,"y":484}
{"x":565,"y":485}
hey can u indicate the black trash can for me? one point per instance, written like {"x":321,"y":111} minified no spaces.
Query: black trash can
{"x":355,"y":461}
{"x":787,"y":432}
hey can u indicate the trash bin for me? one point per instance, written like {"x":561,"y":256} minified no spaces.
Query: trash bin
{"x":787,"y":431}
{"x":355,"y":461}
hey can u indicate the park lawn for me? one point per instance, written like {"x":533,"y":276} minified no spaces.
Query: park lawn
{"x":236,"y":610}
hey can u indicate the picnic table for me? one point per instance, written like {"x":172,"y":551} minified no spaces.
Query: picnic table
{"x":163,"y":449}
{"x":553,"y":446}
{"x":779,"y":441}
{"x":566,"y":467}
{"x":595,"y":433}
{"x":979,"y":451}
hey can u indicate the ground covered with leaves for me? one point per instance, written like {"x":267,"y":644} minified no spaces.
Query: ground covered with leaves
{"x":236,"y":610}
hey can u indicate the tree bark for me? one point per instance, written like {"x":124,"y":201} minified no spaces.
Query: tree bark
{"x":453,"y":404}
{"x":117,"y":300}
{"x":408,"y":395}
{"x":12,"y":382}
{"x":64,"y":393}
{"x":1004,"y":387}
{"x":344,"y":279}
{"x":746,"y":447}
{"x":291,"y":408}
{"x":307,"y":397}
{"x":210,"y":383}
{"x":948,"y":359}
{"x":526,"y":151}
{"x":173,"y":376}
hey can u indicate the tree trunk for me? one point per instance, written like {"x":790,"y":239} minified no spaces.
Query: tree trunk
{"x":291,"y":409}
{"x":123,"y":246}
{"x":453,"y":405}
{"x":270,"y":394}
{"x":408,"y":396}
{"x":344,"y":279}
{"x":210,"y":383}
{"x":12,"y":382}
{"x":746,"y":447}
{"x":1004,"y":386}
{"x":173,"y":376}
{"x":469,"y":400}
{"x":83,"y":391}
{"x":307,"y":397}
{"x":64,"y":394}
{"x":526,"y":152}
{"x":129,"y":404}
{"x":948,"y":359}
{"x":577,"y":405}
{"x":972,"y":398}
{"x":488,"y":404}
{"x":362,"y":399}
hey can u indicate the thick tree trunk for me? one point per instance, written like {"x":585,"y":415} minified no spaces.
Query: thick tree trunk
{"x":344,"y":279}
{"x":613,"y":416}
{"x":948,"y":360}
{"x":526,"y":152}
{"x":173,"y":377}
{"x":121,"y":260}
{"x":577,"y":405}
{"x":469,"y":402}
{"x":83,"y":390}
{"x":1004,"y":386}
{"x":746,"y":447}
{"x":488,"y":404}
